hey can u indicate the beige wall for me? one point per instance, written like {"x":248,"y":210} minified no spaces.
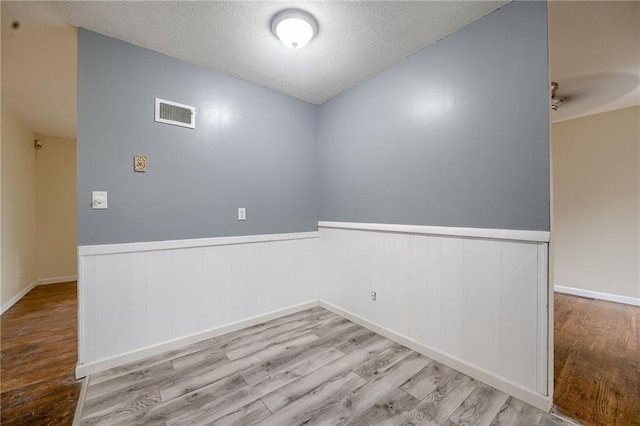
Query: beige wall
{"x":596,"y":198}
{"x":18,"y":193}
{"x":56,"y":209}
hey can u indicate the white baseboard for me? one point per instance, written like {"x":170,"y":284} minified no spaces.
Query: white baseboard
{"x":83,"y":370}
{"x":9,"y":303}
{"x":538,"y":400}
{"x":57,"y":280}
{"x":634,"y":301}
{"x":80,"y":406}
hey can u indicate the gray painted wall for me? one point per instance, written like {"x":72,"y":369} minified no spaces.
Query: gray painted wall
{"x":252,"y":148}
{"x":456,"y":135}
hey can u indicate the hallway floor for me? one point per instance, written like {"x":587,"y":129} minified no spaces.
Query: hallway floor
{"x":597,"y":360}
{"x":39,"y":354}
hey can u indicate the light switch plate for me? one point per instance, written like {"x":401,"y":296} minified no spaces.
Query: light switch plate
{"x":99,"y":200}
{"x":242,"y":213}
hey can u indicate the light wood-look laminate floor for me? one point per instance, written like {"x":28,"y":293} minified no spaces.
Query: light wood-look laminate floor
{"x":597,"y":360}
{"x":39,"y":355}
{"x":312,"y":367}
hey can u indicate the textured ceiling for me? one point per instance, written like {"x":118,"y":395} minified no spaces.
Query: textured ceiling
{"x":594,"y":54}
{"x":356,"y":40}
{"x":594,"y":47}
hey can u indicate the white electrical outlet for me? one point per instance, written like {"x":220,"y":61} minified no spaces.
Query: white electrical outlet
{"x":98,"y":200}
{"x":242,"y":213}
{"x":374,"y":295}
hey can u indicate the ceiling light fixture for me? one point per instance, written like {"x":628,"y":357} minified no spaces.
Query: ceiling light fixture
{"x":295,"y":28}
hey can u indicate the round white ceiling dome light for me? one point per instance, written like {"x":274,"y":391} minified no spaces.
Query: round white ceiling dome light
{"x":295,"y":28}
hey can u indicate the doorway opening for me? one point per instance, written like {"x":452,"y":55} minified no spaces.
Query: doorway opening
{"x":38,"y":295}
{"x":595,"y":256}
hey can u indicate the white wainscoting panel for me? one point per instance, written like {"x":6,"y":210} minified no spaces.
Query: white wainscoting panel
{"x":478,"y":304}
{"x":140,"y":299}
{"x":481,"y":291}
{"x":112,"y":306}
{"x":519,"y":312}
{"x":475,"y":301}
{"x":451,"y":294}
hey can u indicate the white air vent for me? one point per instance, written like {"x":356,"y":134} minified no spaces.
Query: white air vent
{"x":174,"y":113}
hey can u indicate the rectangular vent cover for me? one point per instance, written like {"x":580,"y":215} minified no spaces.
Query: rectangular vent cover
{"x":174,"y":113}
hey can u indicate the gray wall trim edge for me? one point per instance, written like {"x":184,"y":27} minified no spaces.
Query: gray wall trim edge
{"x":494,"y":234}
{"x":190,"y":243}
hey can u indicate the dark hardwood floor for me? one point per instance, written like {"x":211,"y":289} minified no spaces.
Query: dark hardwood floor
{"x":38,"y":357}
{"x":597,"y":361}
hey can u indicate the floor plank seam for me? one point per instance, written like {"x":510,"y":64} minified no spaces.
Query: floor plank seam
{"x":265,"y":405}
